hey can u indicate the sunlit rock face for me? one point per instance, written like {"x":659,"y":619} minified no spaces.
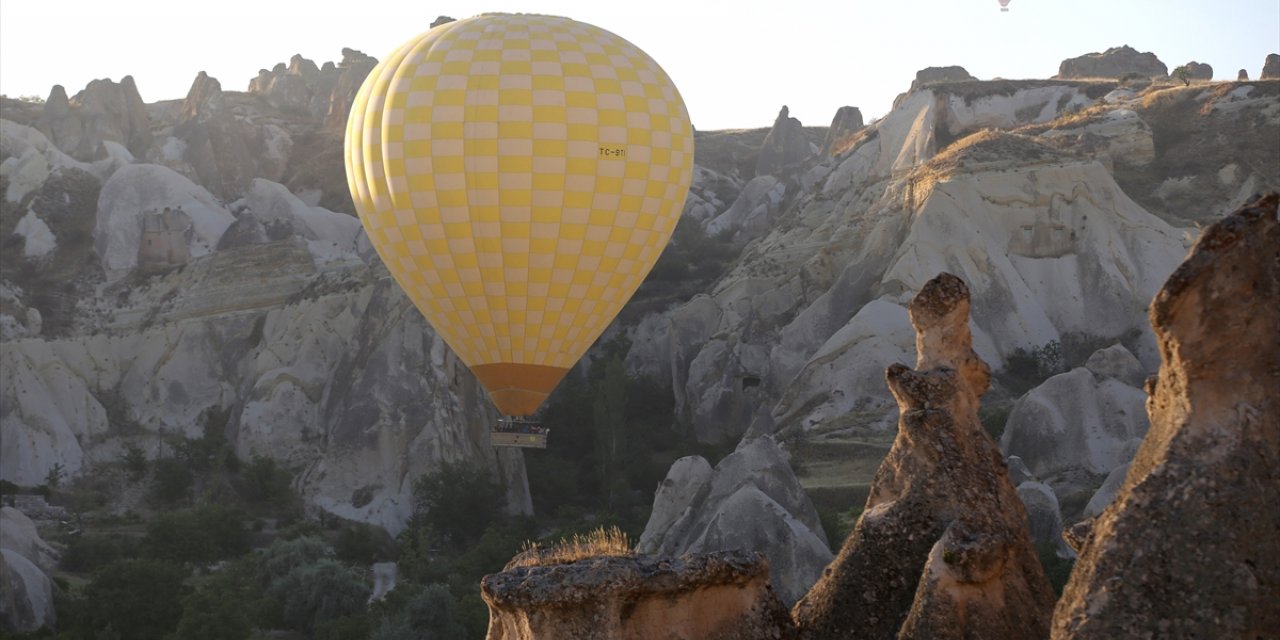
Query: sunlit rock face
{"x":942,"y":549}
{"x":1195,"y":515}
{"x":1115,"y":62}
{"x":722,"y":596}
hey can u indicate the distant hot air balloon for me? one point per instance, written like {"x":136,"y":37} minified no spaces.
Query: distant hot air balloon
{"x":1004,"y":5}
{"x":519,"y":175}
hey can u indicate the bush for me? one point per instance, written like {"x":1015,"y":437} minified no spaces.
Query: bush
{"x":263,"y":482}
{"x":135,"y":598}
{"x":431,"y":613}
{"x":458,"y":502}
{"x":171,"y":482}
{"x":135,"y":463}
{"x":88,"y":552}
{"x":283,"y":556}
{"x":201,"y":535}
{"x":222,"y":605}
{"x":314,"y":593}
{"x":359,"y":544}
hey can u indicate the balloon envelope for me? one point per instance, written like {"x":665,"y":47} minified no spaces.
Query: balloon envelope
{"x":519,"y":175}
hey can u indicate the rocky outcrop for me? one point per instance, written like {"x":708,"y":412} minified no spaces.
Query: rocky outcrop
{"x":323,"y":93}
{"x":1116,"y":137}
{"x":785,"y":147}
{"x":104,"y":111}
{"x":942,"y":549}
{"x":1270,"y":67}
{"x":846,"y":122}
{"x":752,"y":501}
{"x":215,"y":144}
{"x":1242,"y":75}
{"x":931,"y":75}
{"x":26,"y":592}
{"x":1198,"y":71}
{"x":1115,"y":62}
{"x":1189,"y":547}
{"x":713,"y":596}
{"x":1076,"y":427}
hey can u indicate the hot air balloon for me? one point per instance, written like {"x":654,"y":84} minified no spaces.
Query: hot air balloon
{"x":519,"y":175}
{"x":1004,"y":5}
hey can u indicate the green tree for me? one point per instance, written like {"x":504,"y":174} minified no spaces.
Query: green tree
{"x":171,"y":482}
{"x":200,"y":535}
{"x":610,"y":424}
{"x":1183,"y":74}
{"x":457,"y":502}
{"x":318,"y":592}
{"x":283,"y":556}
{"x":264,"y":482}
{"x":135,"y":598}
{"x":222,"y":604}
{"x":135,"y":463}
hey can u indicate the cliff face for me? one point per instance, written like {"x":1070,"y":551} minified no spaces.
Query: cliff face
{"x":942,"y":549}
{"x":1189,"y":548}
{"x":715,"y":596}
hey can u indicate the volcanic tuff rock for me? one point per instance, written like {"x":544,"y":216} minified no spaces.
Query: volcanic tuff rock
{"x":784,"y":147}
{"x":1199,"y":71}
{"x":1115,"y":62}
{"x":1076,"y":427}
{"x":942,"y":548}
{"x":1189,"y":546}
{"x":324,"y":93}
{"x":712,"y":596}
{"x":846,"y":122}
{"x":930,"y":75}
{"x":103,"y":111}
{"x":26,"y":592}
{"x":751,"y":501}
{"x":1270,"y":67}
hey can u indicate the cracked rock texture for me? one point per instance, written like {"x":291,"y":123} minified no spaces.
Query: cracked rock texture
{"x":713,"y":596}
{"x":1189,"y":547}
{"x":942,"y":549}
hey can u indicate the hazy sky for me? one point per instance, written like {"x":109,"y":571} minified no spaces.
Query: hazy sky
{"x":735,"y":62}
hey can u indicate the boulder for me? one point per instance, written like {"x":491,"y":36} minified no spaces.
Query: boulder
{"x":1077,"y":426}
{"x":724,"y":595}
{"x":784,"y":147}
{"x":104,"y":111}
{"x":752,"y":501}
{"x":26,"y":594}
{"x":932,"y":75}
{"x":1188,"y":548}
{"x":1270,"y":67}
{"x":1115,"y":62}
{"x":847,"y":121}
{"x":1044,"y":517}
{"x":132,"y":223}
{"x":18,"y":532}
{"x":1018,"y":471}
{"x":1199,"y":71}
{"x":942,"y":549}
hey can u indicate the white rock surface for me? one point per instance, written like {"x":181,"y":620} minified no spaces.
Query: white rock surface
{"x":1077,"y":422}
{"x":752,"y":501}
{"x":1106,"y":494}
{"x":26,"y":593}
{"x":18,"y":532}
{"x":331,"y":236}
{"x":142,"y":188}
{"x":38,"y":239}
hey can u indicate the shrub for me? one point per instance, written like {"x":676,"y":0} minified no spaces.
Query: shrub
{"x":135,"y":463}
{"x":171,"y":482}
{"x":88,"y":552}
{"x":994,"y":419}
{"x":135,"y":598}
{"x":600,"y":542}
{"x":314,"y":593}
{"x":201,"y":535}
{"x":264,"y":482}
{"x":221,"y":607}
{"x":283,"y":556}
{"x":457,"y":502}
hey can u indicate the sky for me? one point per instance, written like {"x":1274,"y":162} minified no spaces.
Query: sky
{"x":735,"y":62}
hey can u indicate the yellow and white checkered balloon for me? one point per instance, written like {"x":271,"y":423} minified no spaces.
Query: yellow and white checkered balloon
{"x":519,"y":175}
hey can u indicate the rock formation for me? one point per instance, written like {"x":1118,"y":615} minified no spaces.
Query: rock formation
{"x":942,"y":549}
{"x":1199,"y":71}
{"x":1189,"y":546}
{"x":1270,"y":67}
{"x":352,"y":70}
{"x":713,"y":596}
{"x":752,"y":501}
{"x":785,"y":147}
{"x":1115,"y":62}
{"x":26,"y":592}
{"x":323,"y":93}
{"x":1076,"y":427}
{"x":103,"y":112}
{"x":931,"y":75}
{"x":1242,"y":75}
{"x":846,"y":121}
{"x":215,"y":141}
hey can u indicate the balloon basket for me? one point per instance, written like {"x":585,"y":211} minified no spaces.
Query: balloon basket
{"x":519,"y":432}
